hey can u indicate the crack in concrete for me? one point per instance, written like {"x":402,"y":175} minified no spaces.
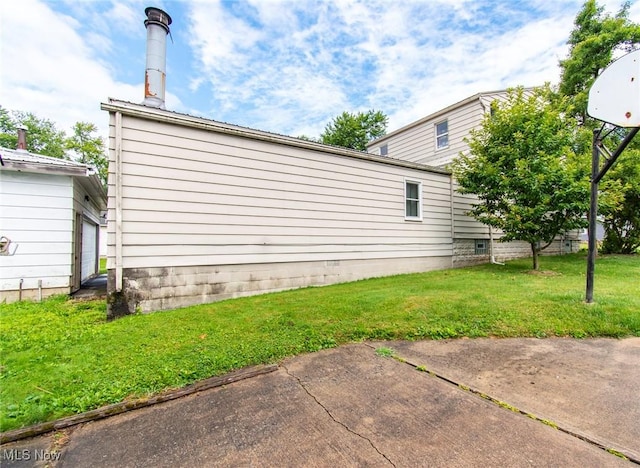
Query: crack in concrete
{"x":504,"y":405}
{"x":333,"y":418}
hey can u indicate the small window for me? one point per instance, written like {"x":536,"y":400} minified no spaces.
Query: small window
{"x":442,"y":135}
{"x":413,"y":200}
{"x":384,"y":150}
{"x":482,"y":246}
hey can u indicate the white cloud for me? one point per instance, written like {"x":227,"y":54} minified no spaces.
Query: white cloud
{"x":312,"y":60}
{"x":286,"y":66}
{"x":56,"y":73}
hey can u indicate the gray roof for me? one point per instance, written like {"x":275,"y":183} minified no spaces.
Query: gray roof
{"x":84,"y":174}
{"x":163,"y":115}
{"x":33,"y":158}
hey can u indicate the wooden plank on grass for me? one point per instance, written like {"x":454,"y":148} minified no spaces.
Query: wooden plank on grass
{"x":122,"y":407}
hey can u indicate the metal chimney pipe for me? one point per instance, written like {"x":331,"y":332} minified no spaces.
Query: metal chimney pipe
{"x":157,"y":24}
{"x":22,"y":138}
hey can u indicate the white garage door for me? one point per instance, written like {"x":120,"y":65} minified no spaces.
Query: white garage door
{"x":89,"y":245}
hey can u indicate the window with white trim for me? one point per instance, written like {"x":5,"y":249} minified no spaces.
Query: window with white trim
{"x":442,"y":135}
{"x":384,"y":150}
{"x":413,"y":200}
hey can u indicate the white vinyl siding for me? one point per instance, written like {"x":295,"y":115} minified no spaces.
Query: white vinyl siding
{"x":465,"y":226}
{"x":417,"y":142}
{"x":36,"y":214}
{"x":197,"y":197}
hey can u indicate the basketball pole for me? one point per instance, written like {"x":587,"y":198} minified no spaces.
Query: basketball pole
{"x":593,"y":215}
{"x":596,"y":175}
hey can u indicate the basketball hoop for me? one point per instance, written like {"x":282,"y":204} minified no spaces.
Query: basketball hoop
{"x":614,"y":98}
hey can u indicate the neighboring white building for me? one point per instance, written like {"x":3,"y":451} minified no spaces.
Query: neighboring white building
{"x":436,"y":140}
{"x":49,"y":211}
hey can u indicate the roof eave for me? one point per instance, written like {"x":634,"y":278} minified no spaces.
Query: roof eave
{"x":435,"y":115}
{"x":96,"y":191}
{"x":160,"y":115}
{"x":23,"y":166}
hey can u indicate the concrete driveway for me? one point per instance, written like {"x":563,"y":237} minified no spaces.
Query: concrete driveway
{"x":484,"y":402}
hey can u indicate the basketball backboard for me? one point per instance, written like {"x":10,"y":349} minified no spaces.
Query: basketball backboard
{"x":614,"y":96}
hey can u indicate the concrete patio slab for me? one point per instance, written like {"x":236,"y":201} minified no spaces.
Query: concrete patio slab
{"x":351,"y":406}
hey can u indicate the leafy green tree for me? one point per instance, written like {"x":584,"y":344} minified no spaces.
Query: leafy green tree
{"x":308,"y":138}
{"x":593,"y":43}
{"x":42,"y":135}
{"x":620,"y":205}
{"x":44,"y":138}
{"x":88,"y":148}
{"x":522,"y":166}
{"x":597,"y":38}
{"x":355,"y":130}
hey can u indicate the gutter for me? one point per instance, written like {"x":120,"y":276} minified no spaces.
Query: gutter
{"x":23,"y":166}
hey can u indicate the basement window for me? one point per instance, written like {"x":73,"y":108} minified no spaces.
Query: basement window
{"x":481,"y":246}
{"x":413,"y":200}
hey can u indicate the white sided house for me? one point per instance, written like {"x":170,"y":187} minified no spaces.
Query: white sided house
{"x":201,"y":210}
{"x":436,"y":140}
{"x":49,"y":219}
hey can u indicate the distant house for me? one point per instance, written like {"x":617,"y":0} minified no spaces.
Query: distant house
{"x":436,"y":140}
{"x":439,"y":137}
{"x":49,"y":218}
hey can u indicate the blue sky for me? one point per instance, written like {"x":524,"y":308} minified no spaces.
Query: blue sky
{"x":279,"y":65}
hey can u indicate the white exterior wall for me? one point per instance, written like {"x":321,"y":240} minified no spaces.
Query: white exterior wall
{"x":102,"y":251}
{"x":199,"y":205}
{"x":417,"y":142}
{"x":36,"y":214}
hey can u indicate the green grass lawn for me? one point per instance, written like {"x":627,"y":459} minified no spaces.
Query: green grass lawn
{"x":61,"y":357}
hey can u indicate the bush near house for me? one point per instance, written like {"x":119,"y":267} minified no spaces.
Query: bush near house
{"x":62,"y":357}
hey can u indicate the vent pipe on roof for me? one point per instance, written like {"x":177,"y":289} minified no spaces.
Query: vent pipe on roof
{"x":22,"y":138}
{"x":157,"y":24}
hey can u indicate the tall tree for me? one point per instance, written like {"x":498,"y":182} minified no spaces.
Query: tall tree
{"x":593,"y":44}
{"x":522,"y":166}
{"x":355,"y":130}
{"x":620,"y":205}
{"x":597,"y":38}
{"x":42,"y":135}
{"x":88,"y":148}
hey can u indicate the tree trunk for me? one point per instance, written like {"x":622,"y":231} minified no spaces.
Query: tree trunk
{"x":534,"y":251}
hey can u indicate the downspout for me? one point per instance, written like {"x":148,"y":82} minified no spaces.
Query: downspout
{"x":492,"y":258}
{"x":118,"y":201}
{"x":453,"y":222}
